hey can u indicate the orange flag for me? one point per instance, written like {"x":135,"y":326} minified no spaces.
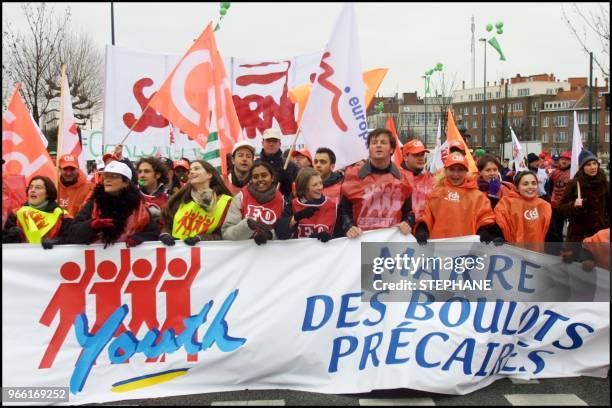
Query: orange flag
{"x":23,"y":144}
{"x":397,"y":154}
{"x":373,"y":78}
{"x":452,"y":133}
{"x":198,"y":89}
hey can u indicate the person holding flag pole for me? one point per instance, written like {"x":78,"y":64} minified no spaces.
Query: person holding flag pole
{"x":585,"y":201}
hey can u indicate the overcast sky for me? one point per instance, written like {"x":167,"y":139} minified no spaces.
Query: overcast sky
{"x":407,"y":38}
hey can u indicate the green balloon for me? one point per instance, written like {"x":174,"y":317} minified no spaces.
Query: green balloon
{"x":225,"y":5}
{"x":223,"y":11}
{"x":499,"y":25}
{"x":489,"y":27}
{"x":500,"y":31}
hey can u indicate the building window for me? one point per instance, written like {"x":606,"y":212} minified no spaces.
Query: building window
{"x":484,"y":109}
{"x":544,"y":137}
{"x":607,"y":118}
{"x":518,"y":107}
{"x":498,"y":94}
{"x":533,"y":121}
{"x":550,"y":92}
{"x":473,"y":110}
{"x":493,"y":124}
{"x":561,"y":137}
{"x":467,"y":125}
{"x":470,"y":97}
{"x":561,"y":121}
{"x":493,"y":109}
{"x":523,"y":92}
{"x":545,"y":122}
{"x":509,"y":107}
{"x":517,"y":122}
{"x":466,"y":111}
{"x":607,"y":137}
{"x":474,"y":124}
{"x":489,"y":95}
{"x":583,"y":118}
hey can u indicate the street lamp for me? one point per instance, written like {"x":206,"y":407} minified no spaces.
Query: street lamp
{"x":425,"y":102}
{"x":484,"y":96}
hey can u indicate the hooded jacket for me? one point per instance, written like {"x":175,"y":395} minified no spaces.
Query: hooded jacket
{"x":332,"y":185}
{"x":71,"y":198}
{"x":454,"y":211}
{"x":522,"y":220}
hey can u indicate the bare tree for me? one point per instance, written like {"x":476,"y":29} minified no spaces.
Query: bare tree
{"x":597,"y":23}
{"x":444,"y":88}
{"x":85,"y":71}
{"x":31,"y":58}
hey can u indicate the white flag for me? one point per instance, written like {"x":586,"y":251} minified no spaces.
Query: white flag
{"x":70,"y":143}
{"x":517,"y":153}
{"x":335,"y":116}
{"x":435,"y":161}
{"x":576,"y":146}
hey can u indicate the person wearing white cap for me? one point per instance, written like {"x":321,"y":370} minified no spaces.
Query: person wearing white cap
{"x":243,"y":155}
{"x":116,"y":212}
{"x":271,"y":153}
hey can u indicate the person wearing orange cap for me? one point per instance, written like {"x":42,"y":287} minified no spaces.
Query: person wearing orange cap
{"x":522,"y":216}
{"x":302,"y":158}
{"x":74,"y":188}
{"x":455,"y":146}
{"x":422,"y":181}
{"x":181,"y":170}
{"x":558,"y":179}
{"x":456,"y":207}
{"x":377,"y":194}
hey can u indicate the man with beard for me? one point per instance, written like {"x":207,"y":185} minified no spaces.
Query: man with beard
{"x":116,"y":212}
{"x":74,"y":188}
{"x":243,"y":155}
{"x":559,"y":177}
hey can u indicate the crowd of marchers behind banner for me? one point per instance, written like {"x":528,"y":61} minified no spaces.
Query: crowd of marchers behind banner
{"x":158,"y":199}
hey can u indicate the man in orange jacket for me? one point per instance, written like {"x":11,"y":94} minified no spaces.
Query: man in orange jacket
{"x":74,"y":188}
{"x":456,"y":207}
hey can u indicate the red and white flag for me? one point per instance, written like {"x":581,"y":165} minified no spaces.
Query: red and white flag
{"x":576,"y":147}
{"x":69,"y":137}
{"x":335,"y":115}
{"x":196,"y":88}
{"x":23,"y":144}
{"x":517,"y":153}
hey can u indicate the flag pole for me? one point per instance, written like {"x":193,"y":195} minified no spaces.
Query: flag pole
{"x":137,"y":121}
{"x":292,"y":147}
{"x":60,"y":129}
{"x":578,"y":189}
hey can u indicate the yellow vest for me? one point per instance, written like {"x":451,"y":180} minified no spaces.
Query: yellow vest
{"x":191,"y":220}
{"x":36,"y":224}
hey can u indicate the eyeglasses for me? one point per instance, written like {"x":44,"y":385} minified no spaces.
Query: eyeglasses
{"x":37,"y":188}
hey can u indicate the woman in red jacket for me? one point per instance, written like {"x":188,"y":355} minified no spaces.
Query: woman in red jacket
{"x":311,"y":214}
{"x":523,"y":217}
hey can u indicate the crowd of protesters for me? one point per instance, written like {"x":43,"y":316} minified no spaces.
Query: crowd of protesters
{"x":263,"y":198}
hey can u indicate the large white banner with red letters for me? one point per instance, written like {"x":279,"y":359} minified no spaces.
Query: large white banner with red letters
{"x":259,"y":88}
{"x":117,"y":323}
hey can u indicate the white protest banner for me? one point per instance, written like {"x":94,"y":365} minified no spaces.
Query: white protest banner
{"x":234,"y":316}
{"x":259,"y":88}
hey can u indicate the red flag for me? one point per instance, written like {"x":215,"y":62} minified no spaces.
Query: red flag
{"x":23,"y":148}
{"x":197,"y":87}
{"x":397,"y":153}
